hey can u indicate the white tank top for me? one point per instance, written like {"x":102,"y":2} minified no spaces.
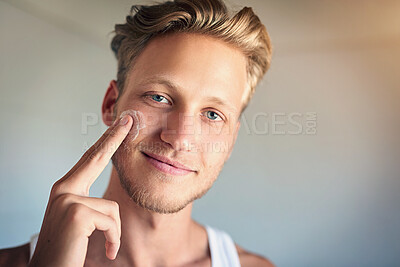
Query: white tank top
{"x":222,"y":248}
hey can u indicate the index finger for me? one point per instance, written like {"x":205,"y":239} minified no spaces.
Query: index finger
{"x":79,"y":179}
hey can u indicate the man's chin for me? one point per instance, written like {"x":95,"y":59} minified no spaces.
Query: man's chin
{"x":161,"y":198}
{"x":163,"y":203}
{"x":159,"y":207}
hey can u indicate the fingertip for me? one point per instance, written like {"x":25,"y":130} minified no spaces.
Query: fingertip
{"x":125,"y":119}
{"x":137,"y":117}
{"x":111,"y":250}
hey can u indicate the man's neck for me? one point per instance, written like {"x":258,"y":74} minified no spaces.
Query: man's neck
{"x":149,"y":238}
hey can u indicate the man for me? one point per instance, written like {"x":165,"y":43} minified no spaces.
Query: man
{"x":186,"y":71}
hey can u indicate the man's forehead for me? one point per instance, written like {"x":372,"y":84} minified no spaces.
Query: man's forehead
{"x":201,"y":65}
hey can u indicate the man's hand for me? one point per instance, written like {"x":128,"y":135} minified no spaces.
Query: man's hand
{"x":72,"y":216}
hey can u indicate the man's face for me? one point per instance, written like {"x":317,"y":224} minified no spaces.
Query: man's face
{"x":189,"y":88}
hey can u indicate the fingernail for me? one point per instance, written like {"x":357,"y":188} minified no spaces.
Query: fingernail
{"x":124,"y":120}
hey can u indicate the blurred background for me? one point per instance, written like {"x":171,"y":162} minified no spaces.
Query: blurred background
{"x":314,"y":179}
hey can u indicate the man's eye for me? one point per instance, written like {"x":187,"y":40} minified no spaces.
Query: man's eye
{"x":159,"y":98}
{"x":213,"y":116}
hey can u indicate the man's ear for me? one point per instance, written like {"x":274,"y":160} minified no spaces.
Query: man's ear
{"x":109,"y":103}
{"x":235,"y":134}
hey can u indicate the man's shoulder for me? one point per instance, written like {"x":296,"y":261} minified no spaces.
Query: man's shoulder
{"x":15,"y":256}
{"x":249,"y":259}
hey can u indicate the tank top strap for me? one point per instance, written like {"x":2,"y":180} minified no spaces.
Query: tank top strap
{"x":222,"y":248}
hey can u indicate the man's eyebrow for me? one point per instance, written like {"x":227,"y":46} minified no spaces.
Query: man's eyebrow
{"x":175,"y":87}
{"x":160,"y":80}
{"x":221,"y":102}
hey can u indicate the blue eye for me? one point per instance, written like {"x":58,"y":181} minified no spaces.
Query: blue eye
{"x":213,"y":116}
{"x":159,"y":98}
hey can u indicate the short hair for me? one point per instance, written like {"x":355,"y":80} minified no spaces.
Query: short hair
{"x":243,"y":30}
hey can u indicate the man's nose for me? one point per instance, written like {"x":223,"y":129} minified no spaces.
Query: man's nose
{"x":180,"y":130}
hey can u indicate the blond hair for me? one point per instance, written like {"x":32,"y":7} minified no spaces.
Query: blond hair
{"x":243,"y":30}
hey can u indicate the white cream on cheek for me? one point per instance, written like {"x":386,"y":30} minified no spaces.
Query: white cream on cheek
{"x":138,"y":123}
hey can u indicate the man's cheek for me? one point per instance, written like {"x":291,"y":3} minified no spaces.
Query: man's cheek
{"x":138,"y":123}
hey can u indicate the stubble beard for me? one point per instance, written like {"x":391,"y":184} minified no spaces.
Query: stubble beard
{"x":143,"y":197}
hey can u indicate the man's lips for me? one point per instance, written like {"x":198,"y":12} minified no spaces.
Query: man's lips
{"x":166,"y":165}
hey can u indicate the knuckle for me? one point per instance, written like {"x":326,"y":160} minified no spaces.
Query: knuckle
{"x":97,"y":158}
{"x":93,"y":157}
{"x":76,"y":211}
{"x":87,"y":153}
{"x":115,"y":211}
{"x":55,"y":188}
{"x":115,"y":205}
{"x":110,"y":222}
{"x":101,"y":156}
{"x":64,"y":199}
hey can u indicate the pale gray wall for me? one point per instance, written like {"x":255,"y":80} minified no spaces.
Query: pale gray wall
{"x":325,"y":199}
